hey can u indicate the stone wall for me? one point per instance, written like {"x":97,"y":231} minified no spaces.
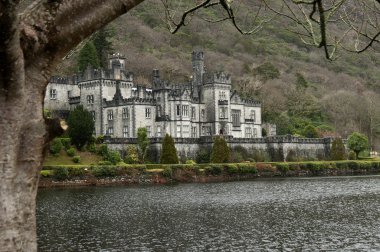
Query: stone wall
{"x":278,"y":148}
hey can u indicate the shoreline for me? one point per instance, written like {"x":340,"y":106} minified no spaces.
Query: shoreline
{"x":81,"y":175}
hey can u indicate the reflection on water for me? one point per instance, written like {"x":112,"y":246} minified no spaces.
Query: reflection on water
{"x":267,"y":215}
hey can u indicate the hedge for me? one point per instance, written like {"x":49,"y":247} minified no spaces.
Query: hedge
{"x":105,"y":170}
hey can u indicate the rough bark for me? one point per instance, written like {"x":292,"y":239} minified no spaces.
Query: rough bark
{"x":31,"y":45}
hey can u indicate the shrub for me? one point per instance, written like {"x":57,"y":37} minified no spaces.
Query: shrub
{"x":103,"y":150}
{"x":46,"y":173}
{"x":247,"y":168}
{"x":352,"y":155}
{"x":104,"y":163}
{"x":91,"y":147}
{"x":169,"y":152}
{"x":99,"y":139}
{"x":189,"y":161}
{"x":56,"y":146}
{"x":232,"y":169}
{"x":76,"y":171}
{"x":283,"y":167}
{"x":104,"y":171}
{"x":113,"y":157}
{"x":338,"y":151}
{"x":167,"y":172}
{"x":214,"y":170}
{"x":353,"y":165}
{"x":220,"y":151}
{"x":66,"y":142}
{"x":203,"y":155}
{"x":60,"y":173}
{"x":71,"y":152}
{"x":76,"y":159}
{"x":132,"y":156}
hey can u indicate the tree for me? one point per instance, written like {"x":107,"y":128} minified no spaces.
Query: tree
{"x":33,"y":40}
{"x":169,"y":152}
{"x":102,"y":45}
{"x":142,"y":142}
{"x":81,"y":126}
{"x":220,"y":152}
{"x":357,"y":142}
{"x":338,"y":150}
{"x":88,"y":56}
{"x":132,"y":156}
{"x":310,"y":131}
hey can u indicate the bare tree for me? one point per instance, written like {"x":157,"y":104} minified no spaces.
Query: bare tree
{"x":315,"y":21}
{"x":34,"y":39}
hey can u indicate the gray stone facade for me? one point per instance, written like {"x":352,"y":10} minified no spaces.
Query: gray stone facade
{"x":205,"y":106}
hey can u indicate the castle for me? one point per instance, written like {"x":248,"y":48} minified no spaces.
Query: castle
{"x":205,"y":106}
{"x":192,"y":113}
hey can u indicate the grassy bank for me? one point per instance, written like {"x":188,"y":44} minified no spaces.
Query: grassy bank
{"x":192,"y":172}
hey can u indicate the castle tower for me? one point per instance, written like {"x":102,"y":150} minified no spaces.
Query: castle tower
{"x":116,"y":57}
{"x":198,"y":72}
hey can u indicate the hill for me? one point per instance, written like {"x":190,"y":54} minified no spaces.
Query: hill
{"x":341,"y":96}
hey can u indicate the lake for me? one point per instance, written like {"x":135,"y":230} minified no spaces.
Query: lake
{"x":293,"y":214}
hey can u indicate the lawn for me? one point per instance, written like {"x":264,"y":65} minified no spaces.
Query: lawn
{"x":87,"y":158}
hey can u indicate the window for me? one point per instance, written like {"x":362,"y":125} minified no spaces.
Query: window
{"x":178,"y":130}
{"x":254,"y":132}
{"x":193,"y":112}
{"x":203,"y":114}
{"x":159,"y":110}
{"x":206,"y":131}
{"x":194,"y":132}
{"x":125,"y":113}
{"x":110,"y":115}
{"x":53,"y":94}
{"x":90,"y":99}
{"x":185,"y":110}
{"x":178,"y":110}
{"x":223,"y":112}
{"x":252,"y":115}
{"x":125,"y":131}
{"x":222,"y":95}
{"x":147,"y":112}
{"x":248,"y":132}
{"x":158,"y":131}
{"x":93,"y":115}
{"x":149,"y":131}
{"x":109,"y":131}
{"x":235,"y":118}
{"x":186,"y":130}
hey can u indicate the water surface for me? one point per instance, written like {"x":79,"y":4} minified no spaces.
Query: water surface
{"x":304,"y":214}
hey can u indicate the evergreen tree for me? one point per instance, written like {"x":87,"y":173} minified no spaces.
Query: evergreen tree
{"x":142,"y":142}
{"x":338,"y":151}
{"x":220,"y":151}
{"x":81,"y":126}
{"x":103,"y":45}
{"x":88,"y":57}
{"x":169,"y":152}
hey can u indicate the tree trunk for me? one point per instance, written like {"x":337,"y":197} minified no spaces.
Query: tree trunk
{"x":21,"y":155}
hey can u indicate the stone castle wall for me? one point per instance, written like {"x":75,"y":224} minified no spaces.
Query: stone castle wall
{"x":278,"y":148}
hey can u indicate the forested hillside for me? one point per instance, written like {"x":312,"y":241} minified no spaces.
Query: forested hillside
{"x":296,"y":84}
